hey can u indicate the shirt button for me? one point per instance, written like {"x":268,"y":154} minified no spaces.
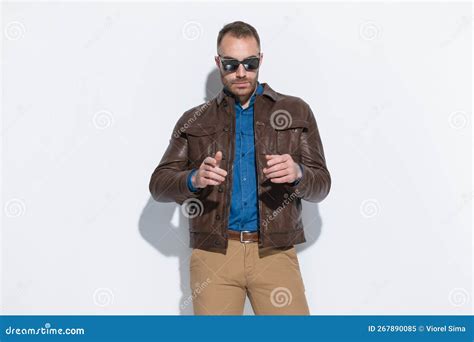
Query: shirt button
{"x":218,"y":217}
{"x":220,"y":189}
{"x":245,"y":179}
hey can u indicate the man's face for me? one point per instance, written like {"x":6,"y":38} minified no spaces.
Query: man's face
{"x":240,"y":82}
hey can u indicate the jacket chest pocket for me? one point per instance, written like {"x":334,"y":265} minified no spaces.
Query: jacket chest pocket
{"x":288,"y":139}
{"x":201,"y":143}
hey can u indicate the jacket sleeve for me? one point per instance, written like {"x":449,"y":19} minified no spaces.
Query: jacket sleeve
{"x":169,"y":181}
{"x":316,"y":182}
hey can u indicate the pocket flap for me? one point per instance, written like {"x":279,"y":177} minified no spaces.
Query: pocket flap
{"x":291,"y":125}
{"x":200,"y":130}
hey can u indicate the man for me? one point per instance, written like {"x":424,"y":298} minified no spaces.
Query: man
{"x":240,"y":165}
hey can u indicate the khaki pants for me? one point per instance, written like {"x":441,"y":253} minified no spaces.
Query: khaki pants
{"x":271,"y":279}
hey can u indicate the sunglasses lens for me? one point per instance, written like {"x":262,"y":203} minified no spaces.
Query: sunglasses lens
{"x":251,"y":63}
{"x":230,"y":65}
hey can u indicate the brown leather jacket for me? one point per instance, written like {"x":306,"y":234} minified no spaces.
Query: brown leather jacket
{"x":283,"y":125}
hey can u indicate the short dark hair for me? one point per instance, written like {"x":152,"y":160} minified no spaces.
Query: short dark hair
{"x":238,"y":29}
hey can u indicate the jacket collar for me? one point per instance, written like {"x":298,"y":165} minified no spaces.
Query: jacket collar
{"x":267,"y":91}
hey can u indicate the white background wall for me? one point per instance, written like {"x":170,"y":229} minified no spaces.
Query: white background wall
{"x":91,"y":92}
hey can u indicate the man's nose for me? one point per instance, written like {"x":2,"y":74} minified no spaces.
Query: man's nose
{"x":241,"y":72}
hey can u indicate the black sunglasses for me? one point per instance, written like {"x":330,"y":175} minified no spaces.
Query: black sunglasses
{"x":231,"y":64}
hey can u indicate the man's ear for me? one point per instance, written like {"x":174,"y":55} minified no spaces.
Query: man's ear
{"x":216,"y":59}
{"x":261,"y":59}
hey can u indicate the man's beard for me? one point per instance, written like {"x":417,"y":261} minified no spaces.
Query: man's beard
{"x":230,"y":85}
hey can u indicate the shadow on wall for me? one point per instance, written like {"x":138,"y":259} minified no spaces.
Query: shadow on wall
{"x":156,"y":227}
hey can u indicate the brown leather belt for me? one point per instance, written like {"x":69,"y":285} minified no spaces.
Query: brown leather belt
{"x":243,"y":236}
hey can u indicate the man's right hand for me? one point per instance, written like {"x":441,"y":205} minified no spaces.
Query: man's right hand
{"x":209,"y":173}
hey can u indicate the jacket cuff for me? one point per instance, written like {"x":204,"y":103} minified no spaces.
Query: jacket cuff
{"x":296,"y":182}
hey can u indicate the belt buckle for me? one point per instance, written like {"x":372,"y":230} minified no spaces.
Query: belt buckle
{"x":241,"y":234}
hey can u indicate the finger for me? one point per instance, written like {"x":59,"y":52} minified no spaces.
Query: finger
{"x":277,"y":174}
{"x":209,"y":161}
{"x":285,"y":179}
{"x":218,"y":158}
{"x":216,"y":175}
{"x":217,"y":170}
{"x":211,"y":182}
{"x":276,"y":167}
{"x":213,"y":175}
{"x":275,"y":160}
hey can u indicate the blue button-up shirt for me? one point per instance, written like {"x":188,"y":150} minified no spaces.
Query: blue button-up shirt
{"x":244,"y":202}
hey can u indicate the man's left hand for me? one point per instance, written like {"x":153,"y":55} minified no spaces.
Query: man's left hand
{"x":282,"y":168}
